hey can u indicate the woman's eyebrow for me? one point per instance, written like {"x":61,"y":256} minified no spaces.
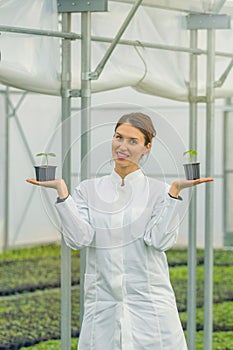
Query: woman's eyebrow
{"x":130,"y":138}
{"x":133,"y":138}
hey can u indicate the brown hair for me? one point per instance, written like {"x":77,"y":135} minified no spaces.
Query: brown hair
{"x":140,"y":121}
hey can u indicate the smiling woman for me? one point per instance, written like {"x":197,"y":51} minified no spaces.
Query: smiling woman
{"x":132,"y":139}
{"x":140,"y":121}
{"x":125,"y":221}
{"x":128,"y":146}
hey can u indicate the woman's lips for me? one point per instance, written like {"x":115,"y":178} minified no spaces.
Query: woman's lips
{"x":122,"y":155}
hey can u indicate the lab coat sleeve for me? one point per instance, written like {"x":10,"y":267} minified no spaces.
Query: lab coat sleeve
{"x":162,"y":229}
{"x":74,"y":214}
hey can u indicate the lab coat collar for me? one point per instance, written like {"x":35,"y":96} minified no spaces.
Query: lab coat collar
{"x":130,"y":178}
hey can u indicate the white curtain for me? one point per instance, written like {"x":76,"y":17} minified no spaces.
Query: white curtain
{"x":33,"y":62}
{"x":30,"y":62}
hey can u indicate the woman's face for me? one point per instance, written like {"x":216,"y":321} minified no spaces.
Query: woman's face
{"x":128,"y":146}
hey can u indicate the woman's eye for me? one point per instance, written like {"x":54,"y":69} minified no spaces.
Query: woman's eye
{"x":133,"y":142}
{"x":118,"y":138}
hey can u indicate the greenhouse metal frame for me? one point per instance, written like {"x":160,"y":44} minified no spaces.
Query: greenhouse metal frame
{"x":85,"y":95}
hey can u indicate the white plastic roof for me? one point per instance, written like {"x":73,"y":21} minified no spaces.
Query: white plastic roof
{"x":194,"y":6}
{"x":33,"y":62}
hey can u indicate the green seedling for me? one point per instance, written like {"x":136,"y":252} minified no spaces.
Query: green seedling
{"x":192,"y":154}
{"x":46,"y":155}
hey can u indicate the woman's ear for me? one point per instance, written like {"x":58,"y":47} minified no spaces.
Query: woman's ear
{"x":148,"y":147}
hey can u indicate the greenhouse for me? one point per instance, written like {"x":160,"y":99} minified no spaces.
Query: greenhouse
{"x":68,"y":71}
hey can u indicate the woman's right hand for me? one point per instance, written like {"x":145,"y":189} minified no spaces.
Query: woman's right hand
{"x":57,"y":184}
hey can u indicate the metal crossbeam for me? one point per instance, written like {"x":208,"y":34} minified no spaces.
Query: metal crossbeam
{"x":208,"y":21}
{"x":82,"y":6}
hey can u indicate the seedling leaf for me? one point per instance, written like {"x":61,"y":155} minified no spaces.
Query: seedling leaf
{"x":192,"y":154}
{"x":46,"y":156}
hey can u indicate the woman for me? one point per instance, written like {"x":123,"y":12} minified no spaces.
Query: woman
{"x":126,"y":221}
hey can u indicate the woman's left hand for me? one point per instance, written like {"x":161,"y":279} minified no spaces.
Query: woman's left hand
{"x":179,"y":185}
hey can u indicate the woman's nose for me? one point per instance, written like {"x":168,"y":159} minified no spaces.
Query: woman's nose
{"x":123,"y":145}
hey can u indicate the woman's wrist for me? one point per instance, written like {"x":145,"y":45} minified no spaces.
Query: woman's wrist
{"x":174,"y":190}
{"x":62,"y":190}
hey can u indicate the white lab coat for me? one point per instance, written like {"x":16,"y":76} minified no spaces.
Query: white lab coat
{"x":129,"y":301}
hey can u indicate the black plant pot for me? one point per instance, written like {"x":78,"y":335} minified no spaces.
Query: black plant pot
{"x":45,"y":173}
{"x":192,"y":171}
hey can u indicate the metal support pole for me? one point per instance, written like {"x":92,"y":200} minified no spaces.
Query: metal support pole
{"x":115,"y":41}
{"x":225,"y":143}
{"x":191,"y":299}
{"x":6,"y":180}
{"x":66,"y":170}
{"x":85,"y":125}
{"x":208,"y":290}
{"x":40,"y":32}
{"x":224,"y":76}
{"x":226,"y":127}
{"x":74,"y":36}
{"x":218,"y":6}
